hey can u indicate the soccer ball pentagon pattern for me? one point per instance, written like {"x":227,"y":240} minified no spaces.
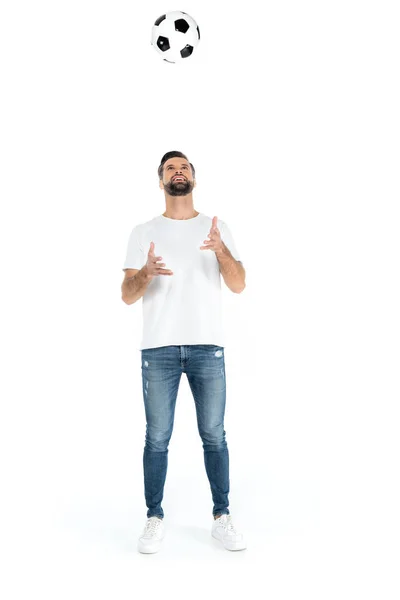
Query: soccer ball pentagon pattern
{"x":175,"y":35}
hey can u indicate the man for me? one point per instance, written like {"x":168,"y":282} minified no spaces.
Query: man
{"x":182,"y":333}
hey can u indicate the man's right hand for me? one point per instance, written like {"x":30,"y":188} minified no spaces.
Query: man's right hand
{"x":152,"y":267}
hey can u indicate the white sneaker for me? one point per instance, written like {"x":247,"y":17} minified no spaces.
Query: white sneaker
{"x":224,"y":531}
{"x":153,"y":533}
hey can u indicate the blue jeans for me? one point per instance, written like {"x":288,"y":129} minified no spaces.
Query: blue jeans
{"x":162,"y":369}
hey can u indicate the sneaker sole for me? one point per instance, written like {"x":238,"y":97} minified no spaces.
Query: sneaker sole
{"x":149,"y":549}
{"x":230,"y":545}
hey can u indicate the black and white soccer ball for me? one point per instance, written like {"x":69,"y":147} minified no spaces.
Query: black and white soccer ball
{"x":175,"y":36}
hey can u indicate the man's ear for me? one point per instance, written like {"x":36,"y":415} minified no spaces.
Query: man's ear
{"x":194,"y":183}
{"x":161,"y":184}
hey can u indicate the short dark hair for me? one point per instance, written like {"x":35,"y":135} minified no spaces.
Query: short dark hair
{"x":169,"y":155}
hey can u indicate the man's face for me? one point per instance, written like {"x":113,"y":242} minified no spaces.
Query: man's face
{"x":177,"y":177}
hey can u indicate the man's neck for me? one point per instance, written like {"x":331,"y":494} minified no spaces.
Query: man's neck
{"x":179,"y":216}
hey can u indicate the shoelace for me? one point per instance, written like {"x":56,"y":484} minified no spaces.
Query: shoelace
{"x":228,"y":525}
{"x":151,"y":527}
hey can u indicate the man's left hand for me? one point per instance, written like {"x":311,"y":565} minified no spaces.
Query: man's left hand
{"x":214,"y":243}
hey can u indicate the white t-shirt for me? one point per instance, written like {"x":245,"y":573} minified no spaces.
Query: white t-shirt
{"x":183,"y":308}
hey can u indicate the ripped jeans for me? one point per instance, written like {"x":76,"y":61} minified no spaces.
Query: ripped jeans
{"x":162,"y":369}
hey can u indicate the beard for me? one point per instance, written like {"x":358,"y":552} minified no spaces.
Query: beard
{"x":181,"y":188}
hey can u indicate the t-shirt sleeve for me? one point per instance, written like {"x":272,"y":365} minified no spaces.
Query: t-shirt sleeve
{"x":227,"y":238}
{"x":134,"y":255}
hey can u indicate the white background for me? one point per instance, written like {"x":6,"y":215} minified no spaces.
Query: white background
{"x":289,"y":113}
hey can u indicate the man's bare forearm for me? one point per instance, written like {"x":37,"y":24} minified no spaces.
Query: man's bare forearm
{"x":231,"y":270}
{"x":134,"y":287}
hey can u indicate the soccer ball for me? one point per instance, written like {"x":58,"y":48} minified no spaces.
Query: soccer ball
{"x":175,"y":35}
